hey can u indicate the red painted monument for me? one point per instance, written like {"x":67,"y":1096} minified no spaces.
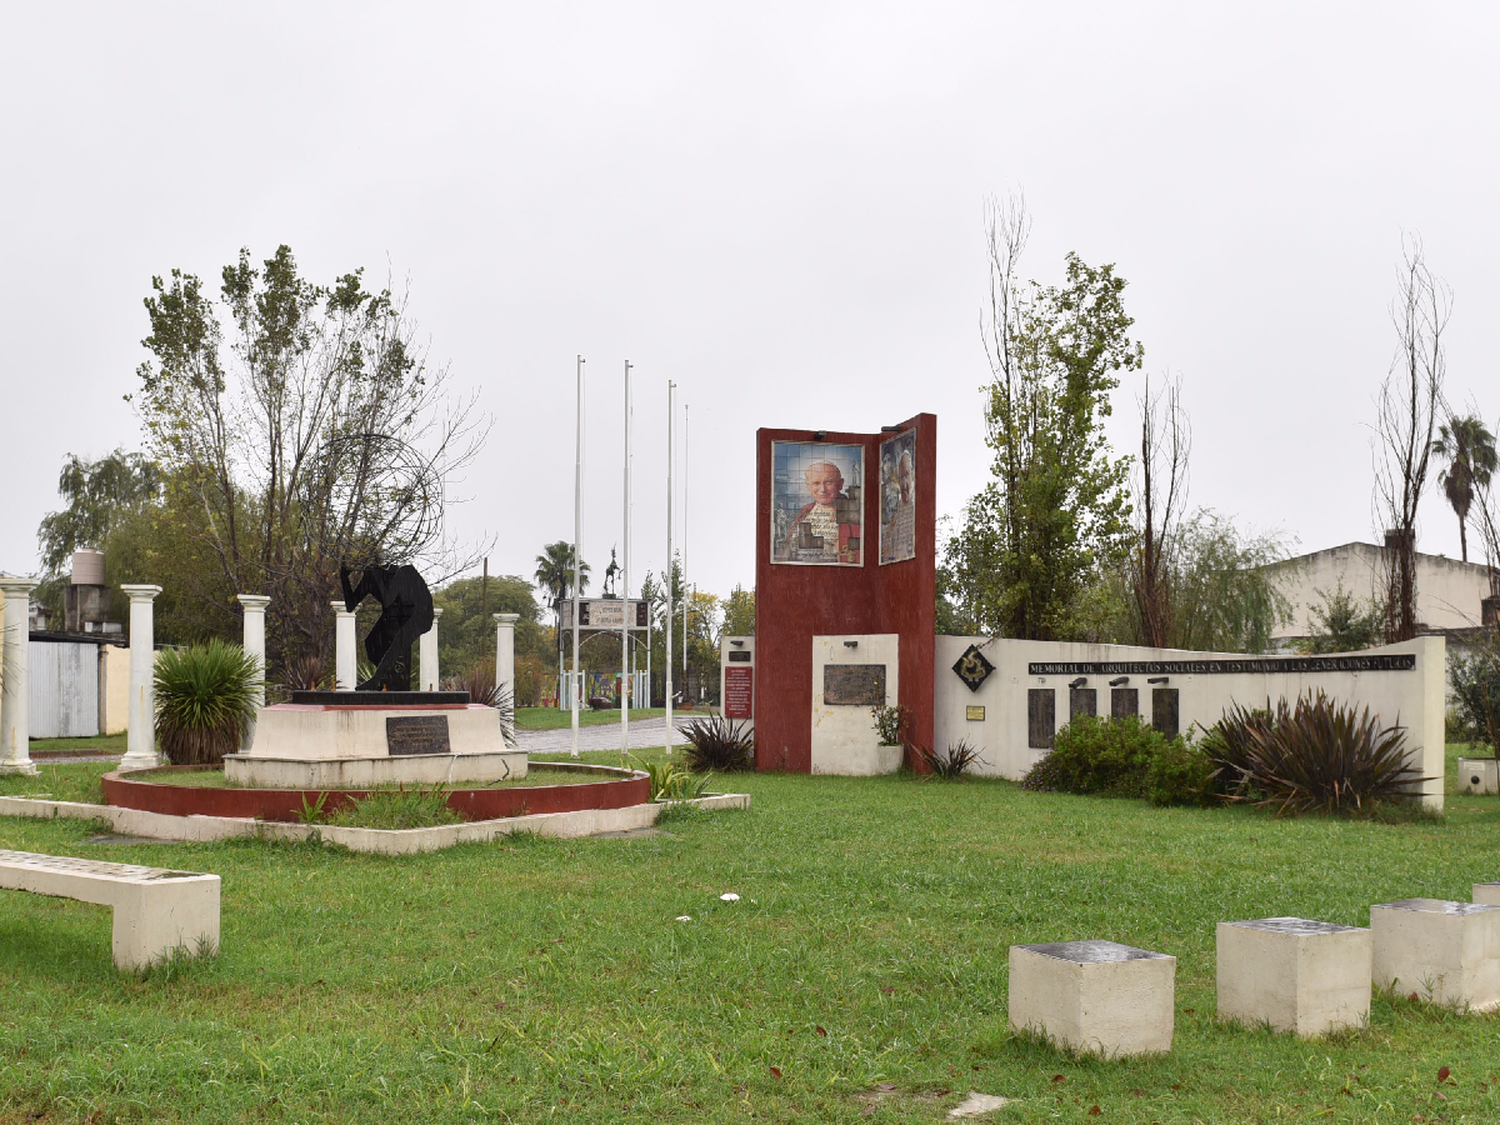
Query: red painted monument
{"x":845,"y":545}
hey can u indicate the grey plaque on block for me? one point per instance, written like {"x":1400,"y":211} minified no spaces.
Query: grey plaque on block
{"x":416,"y":734}
{"x":1041,"y":718}
{"x":1124,"y":702}
{"x":1164,"y":710}
{"x":1093,"y":952}
{"x":1082,"y":701}
{"x":854,"y":685}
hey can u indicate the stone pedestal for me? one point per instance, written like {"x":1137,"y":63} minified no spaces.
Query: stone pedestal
{"x":1478,"y":776}
{"x":254,"y":613}
{"x":1448,"y":951}
{"x":428,"y":676}
{"x":345,"y":659}
{"x":505,"y":652}
{"x":1095,"y":996}
{"x":15,"y":684}
{"x":1488,"y":893}
{"x":140,"y":742}
{"x":1294,"y":974}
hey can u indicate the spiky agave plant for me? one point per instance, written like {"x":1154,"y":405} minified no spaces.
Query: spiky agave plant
{"x":718,"y":744}
{"x":204,"y":696}
{"x":1318,"y":756}
{"x":479,"y":682}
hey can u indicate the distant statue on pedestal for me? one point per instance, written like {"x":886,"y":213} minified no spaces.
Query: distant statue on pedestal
{"x":405,"y":614}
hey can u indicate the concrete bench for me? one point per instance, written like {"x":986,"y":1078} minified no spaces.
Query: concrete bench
{"x":1488,"y":893}
{"x":1294,"y":974}
{"x":156,"y":911}
{"x":1095,"y":996}
{"x":1450,"y":950}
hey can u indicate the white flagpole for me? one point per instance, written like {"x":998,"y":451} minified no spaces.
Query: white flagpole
{"x":687,"y":476}
{"x":577,"y":683}
{"x":625,"y":592}
{"x":671,"y":407}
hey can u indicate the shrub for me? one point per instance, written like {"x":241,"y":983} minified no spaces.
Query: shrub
{"x":889,"y":722}
{"x":398,"y":808}
{"x":718,"y":744}
{"x":950,"y":763}
{"x":1475,"y":680}
{"x":1098,"y":755}
{"x":204,"y":697}
{"x":1181,"y":773}
{"x":1319,"y":756}
{"x":671,"y":782}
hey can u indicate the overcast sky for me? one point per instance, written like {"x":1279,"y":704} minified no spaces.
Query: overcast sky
{"x":779,"y":207}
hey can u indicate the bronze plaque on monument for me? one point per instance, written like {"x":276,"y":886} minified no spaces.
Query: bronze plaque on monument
{"x":416,"y":734}
{"x":854,"y":685}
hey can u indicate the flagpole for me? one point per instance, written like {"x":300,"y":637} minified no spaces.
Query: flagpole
{"x":577,"y":682}
{"x":625,"y":593}
{"x":671,"y":397}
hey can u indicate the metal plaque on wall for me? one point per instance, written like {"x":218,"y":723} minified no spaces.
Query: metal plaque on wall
{"x":972,"y":667}
{"x":854,"y":685}
{"x":416,"y":734}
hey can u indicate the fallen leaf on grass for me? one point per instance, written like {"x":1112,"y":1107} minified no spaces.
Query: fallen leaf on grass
{"x":776,"y":1072}
{"x":888,"y":990}
{"x":821,"y":1032}
{"x":1094,"y":1111}
{"x":1058,"y":1078}
{"x":1443,"y":1073}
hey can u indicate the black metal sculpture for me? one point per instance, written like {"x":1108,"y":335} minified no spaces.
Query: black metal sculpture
{"x":405,"y":614}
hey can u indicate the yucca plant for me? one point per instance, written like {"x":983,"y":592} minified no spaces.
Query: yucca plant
{"x":718,"y":744}
{"x":205,"y":694}
{"x":1318,"y":756}
{"x":948,"y":764}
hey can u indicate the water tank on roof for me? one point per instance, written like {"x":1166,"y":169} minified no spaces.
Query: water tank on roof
{"x":88,"y":567}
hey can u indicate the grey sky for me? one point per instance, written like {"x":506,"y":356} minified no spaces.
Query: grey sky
{"x":778,"y":206}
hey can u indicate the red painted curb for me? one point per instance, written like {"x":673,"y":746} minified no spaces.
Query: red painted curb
{"x":622,"y":789}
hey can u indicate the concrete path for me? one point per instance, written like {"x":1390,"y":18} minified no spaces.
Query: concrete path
{"x":644,"y":734}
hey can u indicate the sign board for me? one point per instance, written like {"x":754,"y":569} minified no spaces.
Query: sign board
{"x":739,"y":698}
{"x":854,"y":685}
{"x":604,"y":613}
{"x":416,"y":734}
{"x":974,"y":714}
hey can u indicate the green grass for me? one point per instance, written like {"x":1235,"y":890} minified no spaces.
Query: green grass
{"x":212,"y":777}
{"x":549,"y":718}
{"x":99,"y":744}
{"x":536,"y":980}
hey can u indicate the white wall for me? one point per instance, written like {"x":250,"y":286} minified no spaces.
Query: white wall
{"x":843,"y":736}
{"x":1414,"y":698}
{"x":1448,"y":590}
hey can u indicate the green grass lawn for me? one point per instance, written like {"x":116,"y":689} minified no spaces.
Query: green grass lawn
{"x":861,"y":976}
{"x":99,"y":744}
{"x":550,"y":718}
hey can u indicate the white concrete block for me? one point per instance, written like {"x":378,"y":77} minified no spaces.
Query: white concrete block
{"x":1487,"y":893}
{"x":1449,"y":951}
{"x":156,"y":911}
{"x":1478,"y":776}
{"x":1096,"y":996}
{"x":1294,"y":974}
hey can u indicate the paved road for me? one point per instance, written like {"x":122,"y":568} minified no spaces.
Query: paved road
{"x":644,"y":734}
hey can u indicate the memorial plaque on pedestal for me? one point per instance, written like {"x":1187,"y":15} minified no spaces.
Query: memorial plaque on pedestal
{"x":416,"y":734}
{"x":854,"y":685}
{"x":738,"y":685}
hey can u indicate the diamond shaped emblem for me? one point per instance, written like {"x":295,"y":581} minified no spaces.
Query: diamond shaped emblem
{"x":972,"y":667}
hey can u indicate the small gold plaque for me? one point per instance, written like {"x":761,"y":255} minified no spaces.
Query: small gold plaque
{"x":974,"y":714}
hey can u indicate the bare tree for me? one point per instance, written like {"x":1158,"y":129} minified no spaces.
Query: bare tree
{"x":1407,"y":410}
{"x":1160,"y":488}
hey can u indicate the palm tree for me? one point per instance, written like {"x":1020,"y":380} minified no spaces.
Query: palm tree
{"x":554,"y":574}
{"x":1470,"y":451}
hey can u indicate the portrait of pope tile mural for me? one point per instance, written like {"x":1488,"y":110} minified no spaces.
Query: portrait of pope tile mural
{"x":817,"y":491}
{"x":898,"y":498}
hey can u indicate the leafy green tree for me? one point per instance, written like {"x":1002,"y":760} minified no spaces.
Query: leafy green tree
{"x":1469,"y":448}
{"x":312,"y":433}
{"x":1344,"y":623}
{"x":466,"y":633}
{"x":1055,"y":515}
{"x":739,"y":612}
{"x":98,"y":494}
{"x":1225,"y":599}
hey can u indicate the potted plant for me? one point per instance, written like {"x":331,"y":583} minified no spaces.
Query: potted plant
{"x":1476,"y":694}
{"x":890,"y":726}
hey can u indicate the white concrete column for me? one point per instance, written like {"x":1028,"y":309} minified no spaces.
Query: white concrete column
{"x":15,"y":686}
{"x":427,"y":653}
{"x":140,"y":742}
{"x":345,"y":663}
{"x":254,"y":607}
{"x":505,"y":652}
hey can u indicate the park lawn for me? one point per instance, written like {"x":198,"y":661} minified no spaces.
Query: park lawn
{"x":98,"y":744}
{"x":550,"y":718}
{"x":863,"y":969}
